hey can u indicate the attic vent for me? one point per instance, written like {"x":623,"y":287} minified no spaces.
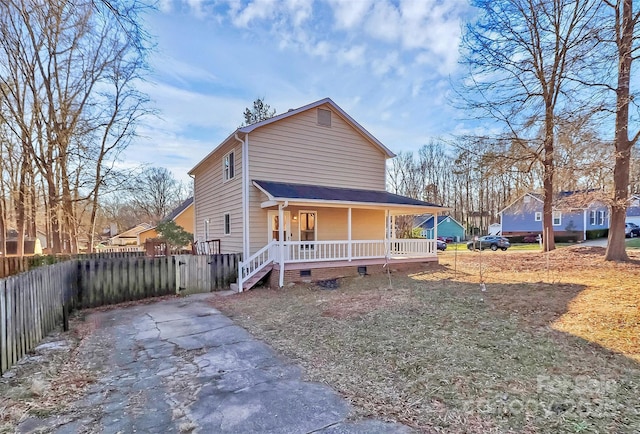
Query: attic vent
{"x":527,"y":199}
{"x":324,"y":117}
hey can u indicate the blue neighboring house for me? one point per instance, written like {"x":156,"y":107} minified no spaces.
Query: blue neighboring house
{"x":447,"y":227}
{"x":633,"y":209}
{"x":524,"y":216}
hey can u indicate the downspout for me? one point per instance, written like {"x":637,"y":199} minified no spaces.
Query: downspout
{"x":195,"y":217}
{"x":584,"y":225}
{"x":245,"y":194}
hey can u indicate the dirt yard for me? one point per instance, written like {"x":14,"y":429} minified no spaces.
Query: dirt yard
{"x":549,"y":343}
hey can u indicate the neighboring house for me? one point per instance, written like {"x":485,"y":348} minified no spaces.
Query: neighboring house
{"x":495,"y":229}
{"x":447,"y":227}
{"x":633,"y":209}
{"x":303,"y":194}
{"x":570,"y":217}
{"x":130,"y":236}
{"x":183,"y":216}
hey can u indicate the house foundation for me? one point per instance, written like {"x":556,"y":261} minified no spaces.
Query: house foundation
{"x":304,"y":273}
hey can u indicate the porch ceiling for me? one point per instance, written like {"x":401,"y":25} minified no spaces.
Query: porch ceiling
{"x":336,"y":197}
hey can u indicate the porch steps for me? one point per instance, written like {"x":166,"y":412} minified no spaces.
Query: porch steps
{"x":250,"y":283}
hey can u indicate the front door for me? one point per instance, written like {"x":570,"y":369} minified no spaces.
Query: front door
{"x":274,"y":226}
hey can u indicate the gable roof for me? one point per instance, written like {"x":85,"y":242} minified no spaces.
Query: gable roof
{"x":132,"y":232}
{"x":178,"y":210}
{"x":249,"y":128}
{"x":280,"y":191}
{"x":426,"y":222}
{"x":537,"y":196}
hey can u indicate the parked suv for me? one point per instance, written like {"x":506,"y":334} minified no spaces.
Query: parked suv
{"x":631,"y":230}
{"x":489,"y":241}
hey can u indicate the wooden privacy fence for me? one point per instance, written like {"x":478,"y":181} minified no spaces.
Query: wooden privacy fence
{"x":114,"y":280}
{"x":31,"y":305}
{"x":204,"y":273}
{"x":34,"y":303}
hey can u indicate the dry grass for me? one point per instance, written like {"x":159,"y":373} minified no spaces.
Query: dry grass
{"x":551,"y":346}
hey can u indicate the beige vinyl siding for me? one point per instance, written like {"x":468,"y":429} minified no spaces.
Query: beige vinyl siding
{"x":298,"y":150}
{"x":214,"y":198}
{"x":331,"y":224}
{"x":367,"y":224}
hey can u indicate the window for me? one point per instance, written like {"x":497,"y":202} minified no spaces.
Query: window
{"x":324,"y":117}
{"x":206,"y":230}
{"x":557,"y":218}
{"x":592,"y":218}
{"x":538,"y":216}
{"x":227,"y":224}
{"x":601,"y":215}
{"x":229,"y":166}
{"x":307,"y":226}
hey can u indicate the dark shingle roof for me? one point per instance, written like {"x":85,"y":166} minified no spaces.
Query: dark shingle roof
{"x":176,"y":212}
{"x":280,"y":190}
{"x":426,"y":222}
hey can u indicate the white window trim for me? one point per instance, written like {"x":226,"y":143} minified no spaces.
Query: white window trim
{"x":553,"y":218}
{"x":593,"y":217}
{"x":315,"y":227}
{"x":601,"y":218}
{"x":226,"y":216}
{"x":538,"y":216}
{"x":224,"y":172}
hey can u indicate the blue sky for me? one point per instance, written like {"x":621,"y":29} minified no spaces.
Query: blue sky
{"x":389,"y":64}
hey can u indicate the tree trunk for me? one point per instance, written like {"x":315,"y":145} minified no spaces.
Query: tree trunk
{"x":548,"y":239}
{"x":616,"y":248}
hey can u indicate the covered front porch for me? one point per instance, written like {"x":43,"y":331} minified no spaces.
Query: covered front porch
{"x":326,"y":227}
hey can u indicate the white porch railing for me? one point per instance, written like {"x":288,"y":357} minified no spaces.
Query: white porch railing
{"x":315,"y":251}
{"x":340,"y":250}
{"x":256,"y":262}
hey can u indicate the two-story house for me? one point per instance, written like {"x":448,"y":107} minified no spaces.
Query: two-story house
{"x":302,"y":195}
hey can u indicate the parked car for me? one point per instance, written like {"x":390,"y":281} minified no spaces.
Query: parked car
{"x":446,"y":239}
{"x":441,"y":245}
{"x":631,"y":230}
{"x":489,"y":241}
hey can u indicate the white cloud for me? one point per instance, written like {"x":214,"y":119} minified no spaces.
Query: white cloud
{"x":349,"y":13}
{"x":390,"y":62}
{"x":352,"y":56}
{"x":256,"y":10}
{"x":384,"y":22}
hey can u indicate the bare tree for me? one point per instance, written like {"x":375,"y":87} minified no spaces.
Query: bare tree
{"x":156,"y":192}
{"x":625,"y":22}
{"x":69,"y":98}
{"x":524,"y":57}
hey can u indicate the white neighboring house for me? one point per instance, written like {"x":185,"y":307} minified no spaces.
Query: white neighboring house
{"x":495,"y":229}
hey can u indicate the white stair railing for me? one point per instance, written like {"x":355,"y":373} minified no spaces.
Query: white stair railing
{"x":256,"y":262}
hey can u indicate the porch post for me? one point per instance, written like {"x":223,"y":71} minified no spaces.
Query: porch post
{"x":387,"y":232}
{"x":349,"y":252}
{"x":434,"y":243}
{"x":584,"y":225}
{"x":281,"y":243}
{"x":394,"y":234}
